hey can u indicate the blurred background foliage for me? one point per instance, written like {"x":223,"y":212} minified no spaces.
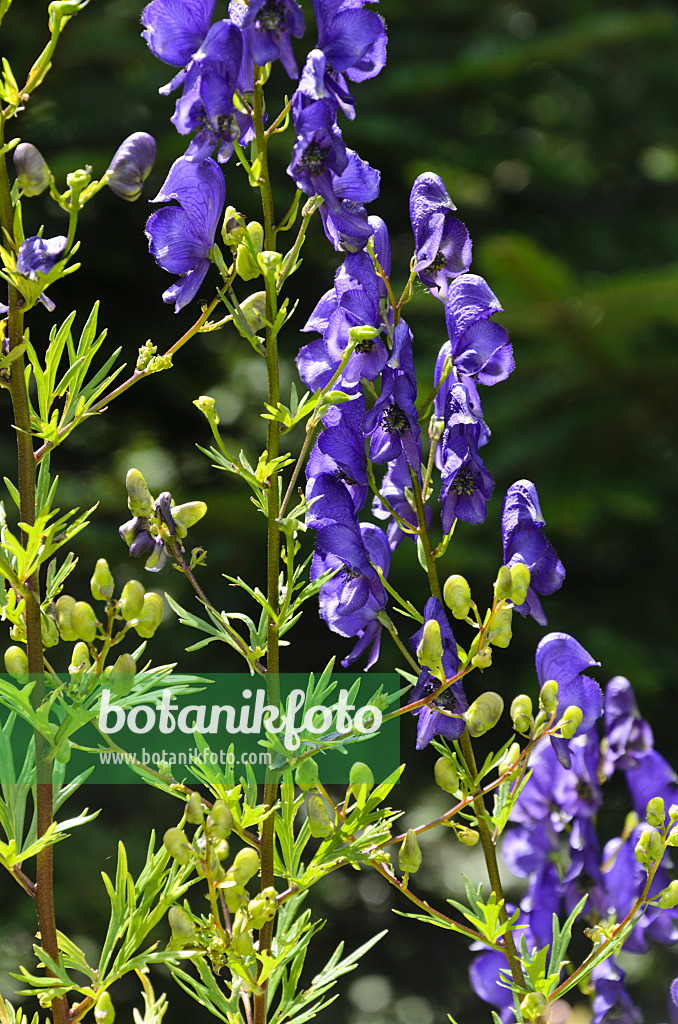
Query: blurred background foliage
{"x":552,"y":124}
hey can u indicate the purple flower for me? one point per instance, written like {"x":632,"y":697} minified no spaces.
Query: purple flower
{"x":268,"y":24}
{"x":437,"y":718}
{"x":318,"y":152}
{"x":478,"y":347}
{"x":174,"y":30}
{"x":629,"y":736}
{"x":39,"y":255}
{"x":521,"y":529}
{"x":131,"y":165}
{"x":442,"y":247}
{"x":391,"y":424}
{"x":354,"y":42}
{"x":345,"y":221}
{"x":611,"y":1001}
{"x":396,"y":487}
{"x":466,"y":483}
{"x":207,"y":101}
{"x":340,"y":450}
{"x":181,"y":237}
{"x":560,"y":657}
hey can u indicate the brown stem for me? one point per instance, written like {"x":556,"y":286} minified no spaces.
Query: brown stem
{"x":44,"y":894}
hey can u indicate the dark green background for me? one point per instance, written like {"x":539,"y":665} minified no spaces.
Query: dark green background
{"x":553,"y":126}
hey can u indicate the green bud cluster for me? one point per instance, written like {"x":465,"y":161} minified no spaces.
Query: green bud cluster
{"x":649,"y":848}
{"x":534,"y":1005}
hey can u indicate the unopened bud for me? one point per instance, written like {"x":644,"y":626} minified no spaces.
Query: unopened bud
{"x":655,"y":812}
{"x":318,"y":819}
{"x":139,"y":498}
{"x":104,"y":1012}
{"x":150,"y":615}
{"x":254,"y":312}
{"x":484,"y":713}
{"x":500,"y":631}
{"x":263,"y":907}
{"x":360,"y":778}
{"x":183,"y":927}
{"x":64,"y":606}
{"x":457,"y":596}
{"x":548,"y":696}
{"x":194,"y":812}
{"x":187,"y":515}
{"x":246,"y":264}
{"x":446,"y":775}
{"x":123,"y":675}
{"x":510,"y":758}
{"x":132,"y":599}
{"x":232,"y":228}
{"x":80,"y":660}
{"x":220,"y":821}
{"x":669,"y":897}
{"x":131,"y":165}
{"x":245,"y":865}
{"x":483,"y":659}
{"x":503,"y":583}
{"x":31,"y":169}
{"x":177,"y":845}
{"x":430,"y":649}
{"x":570,"y":722}
{"x":206,"y":406}
{"x":467,"y":836}
{"x":409,"y":855}
{"x":269,"y":260}
{"x":84,"y":621}
{"x":306,"y":774}
{"x":520,"y":583}
{"x":534,"y":1005}
{"x":16,"y":662}
{"x":102,"y":584}
{"x":49,"y":630}
{"x":521,"y":713}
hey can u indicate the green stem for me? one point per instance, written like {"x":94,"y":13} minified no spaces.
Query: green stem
{"x":467,"y":749}
{"x":273,"y":531}
{"x":44,"y":894}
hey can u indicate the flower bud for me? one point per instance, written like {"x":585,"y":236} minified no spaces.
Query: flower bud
{"x":503,"y":583}
{"x":457,"y":596}
{"x":220,"y":821}
{"x":183,"y":927}
{"x":150,"y":615}
{"x":234,"y":897}
{"x":158,"y":556}
{"x":194,"y":812}
{"x":31,"y":168}
{"x":187,"y":515}
{"x":534,"y":1005}
{"x":673,"y":812}
{"x":430,"y":649}
{"x":269,"y":261}
{"x":520,"y":583}
{"x":360,"y":779}
{"x":102,"y":584}
{"x":132,"y":599}
{"x":649,"y":847}
{"x":548,"y":696}
{"x":131,"y":165}
{"x":80,"y":660}
{"x":306,"y":774}
{"x":483,"y":659}
{"x":500,"y":632}
{"x":467,"y":836}
{"x":177,"y":845}
{"x":409,"y":855}
{"x":16,"y":662}
{"x":221,"y":849}
{"x":484,"y":713}
{"x":79,"y":179}
{"x":318,"y":819}
{"x":263,"y":908}
{"x":64,"y":606}
{"x":509,"y":758}
{"x":656,"y":814}
{"x":49,"y":629}
{"x":669,"y":897}
{"x":570,"y":722}
{"x":446,"y":775}
{"x":122,"y":675}
{"x":139,"y":498}
{"x":245,"y":865}
{"x":254,"y":311}
{"x":232,"y":228}
{"x":521,"y":713}
{"x":104,"y":1012}
{"x":246,"y":264}
{"x":84,"y":621}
